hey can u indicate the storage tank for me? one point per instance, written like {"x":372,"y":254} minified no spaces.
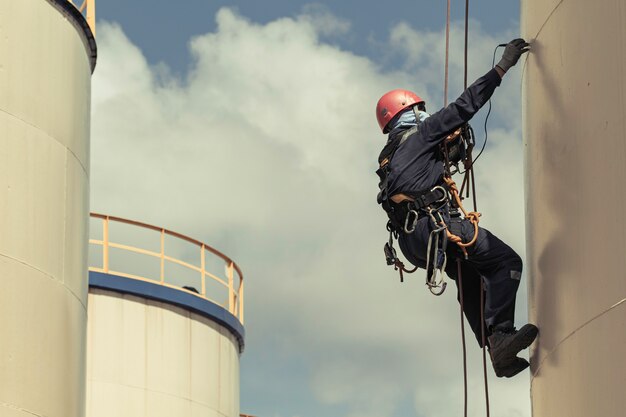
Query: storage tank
{"x":47,"y":54}
{"x":165,"y":326}
{"x":574,"y":88}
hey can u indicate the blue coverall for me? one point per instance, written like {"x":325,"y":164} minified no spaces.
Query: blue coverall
{"x":416,"y":166}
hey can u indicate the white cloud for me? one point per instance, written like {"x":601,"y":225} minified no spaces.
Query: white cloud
{"x":267,"y":151}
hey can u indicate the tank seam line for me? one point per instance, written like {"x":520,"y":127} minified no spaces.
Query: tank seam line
{"x":537,"y":34}
{"x":48,"y":135}
{"x":64,"y":247}
{"x":15,"y":407}
{"x":548,"y":18}
{"x":77,"y":297}
{"x":51,"y":277}
{"x":622,"y":301}
{"x":151,"y":390}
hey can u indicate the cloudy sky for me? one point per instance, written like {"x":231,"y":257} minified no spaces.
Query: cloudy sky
{"x":250,"y":125}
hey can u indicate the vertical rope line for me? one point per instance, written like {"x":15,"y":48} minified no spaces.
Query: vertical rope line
{"x":445,"y":83}
{"x":460,"y":278}
{"x":466,"y":36}
{"x":471,"y":183}
{"x":483,"y":337}
{"x":473,"y":189}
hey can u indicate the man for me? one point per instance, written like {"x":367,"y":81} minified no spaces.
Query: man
{"x":413,"y":168}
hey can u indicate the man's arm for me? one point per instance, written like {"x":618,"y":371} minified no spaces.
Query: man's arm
{"x":439,"y":125}
{"x":447,"y":120}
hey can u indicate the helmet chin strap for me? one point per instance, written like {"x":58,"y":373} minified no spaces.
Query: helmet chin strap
{"x":420,"y":115}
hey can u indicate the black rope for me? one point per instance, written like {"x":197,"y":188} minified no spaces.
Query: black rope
{"x":493,"y":64}
{"x":483,"y":337}
{"x":460,"y":281}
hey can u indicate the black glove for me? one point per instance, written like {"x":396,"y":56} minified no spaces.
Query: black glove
{"x":512,"y":52}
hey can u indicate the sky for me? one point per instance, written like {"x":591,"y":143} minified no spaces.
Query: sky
{"x":251,"y":126}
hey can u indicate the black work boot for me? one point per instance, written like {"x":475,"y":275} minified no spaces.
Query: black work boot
{"x":504,"y":345}
{"x":514,"y":368}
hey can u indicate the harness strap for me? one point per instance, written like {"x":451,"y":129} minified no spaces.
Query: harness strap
{"x":436,"y":194}
{"x":410,"y":131}
{"x":473,"y":217}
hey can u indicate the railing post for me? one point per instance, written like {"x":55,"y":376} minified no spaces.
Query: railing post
{"x":91,"y":15}
{"x":105,"y":244}
{"x":240,"y":300}
{"x":88,"y":9}
{"x":162,"y":256}
{"x":231,"y":290}
{"x":203,"y":267}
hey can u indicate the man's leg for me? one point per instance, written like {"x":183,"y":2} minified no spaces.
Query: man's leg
{"x":471,"y":294}
{"x":501,"y":268}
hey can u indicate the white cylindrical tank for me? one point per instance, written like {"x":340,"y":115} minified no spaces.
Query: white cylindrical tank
{"x":47,"y":54}
{"x":148,"y":358}
{"x":165,"y":326}
{"x":575,"y":134}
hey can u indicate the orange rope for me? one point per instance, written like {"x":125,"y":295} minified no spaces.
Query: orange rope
{"x":472,"y":216}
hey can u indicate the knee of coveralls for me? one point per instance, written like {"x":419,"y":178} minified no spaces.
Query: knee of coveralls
{"x":501,"y":268}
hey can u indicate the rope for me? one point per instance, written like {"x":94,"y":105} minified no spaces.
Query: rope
{"x":460,"y":278}
{"x":469,"y":172}
{"x":445,"y":84}
{"x":473,"y":216}
{"x":465,"y":54}
{"x":483,"y":338}
{"x":398,"y":265}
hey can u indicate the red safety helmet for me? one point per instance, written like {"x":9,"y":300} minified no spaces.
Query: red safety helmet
{"x":393,"y":103}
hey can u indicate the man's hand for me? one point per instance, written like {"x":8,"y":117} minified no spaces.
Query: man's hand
{"x":512,"y":52}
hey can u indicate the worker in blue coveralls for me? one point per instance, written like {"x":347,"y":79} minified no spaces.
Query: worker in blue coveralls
{"x":413,"y":168}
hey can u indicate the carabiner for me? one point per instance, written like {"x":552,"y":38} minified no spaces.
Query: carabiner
{"x":415,"y":215}
{"x":438,"y":293}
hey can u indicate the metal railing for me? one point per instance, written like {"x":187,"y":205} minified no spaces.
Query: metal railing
{"x":231,"y":283}
{"x":88,"y":9}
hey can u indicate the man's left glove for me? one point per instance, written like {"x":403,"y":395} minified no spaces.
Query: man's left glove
{"x":512,"y":52}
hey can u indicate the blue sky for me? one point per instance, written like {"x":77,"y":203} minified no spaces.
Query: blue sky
{"x":162,"y":28}
{"x":250,"y":126}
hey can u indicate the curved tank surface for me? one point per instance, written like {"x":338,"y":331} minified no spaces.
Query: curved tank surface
{"x":165,"y":326}
{"x":47,"y":55}
{"x":574,"y":120}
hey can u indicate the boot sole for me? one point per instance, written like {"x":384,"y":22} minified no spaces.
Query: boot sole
{"x":523,"y":338}
{"x":513,"y":369}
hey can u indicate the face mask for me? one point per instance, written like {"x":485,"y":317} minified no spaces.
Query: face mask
{"x":408,"y":119}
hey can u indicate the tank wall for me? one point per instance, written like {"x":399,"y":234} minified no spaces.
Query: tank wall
{"x":150,"y":359}
{"x":45,"y":77}
{"x":574,"y":105}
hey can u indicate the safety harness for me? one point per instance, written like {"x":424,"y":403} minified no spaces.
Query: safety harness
{"x":439,"y":202}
